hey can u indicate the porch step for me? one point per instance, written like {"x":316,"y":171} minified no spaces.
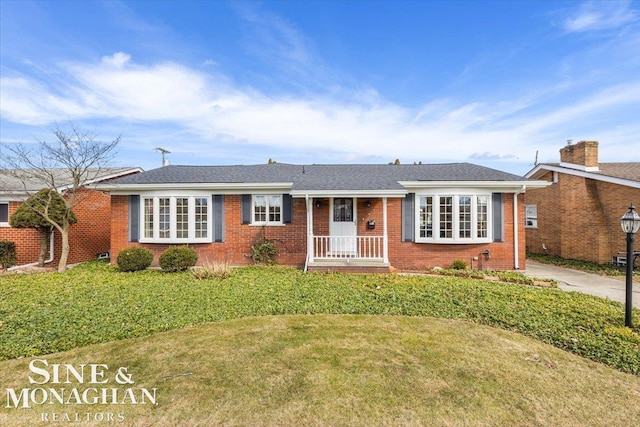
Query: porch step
{"x":349,"y":266}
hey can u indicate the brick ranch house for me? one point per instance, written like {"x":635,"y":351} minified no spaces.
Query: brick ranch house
{"x":327,"y":217}
{"x":88,"y":237}
{"x":578,"y":215}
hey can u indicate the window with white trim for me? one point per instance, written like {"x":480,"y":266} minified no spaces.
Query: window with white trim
{"x":176,"y":219}
{"x":453,"y":218}
{"x":4,"y":214}
{"x":266,"y":209}
{"x":531,"y":216}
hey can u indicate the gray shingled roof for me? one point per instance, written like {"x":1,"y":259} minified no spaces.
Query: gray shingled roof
{"x":17,"y":182}
{"x":629,"y":170}
{"x":320,"y":177}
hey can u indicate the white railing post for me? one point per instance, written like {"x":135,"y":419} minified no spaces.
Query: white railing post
{"x":385,"y":237}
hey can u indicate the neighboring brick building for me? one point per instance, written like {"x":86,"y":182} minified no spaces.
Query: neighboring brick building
{"x":88,"y":237}
{"x":327,"y":217}
{"x":578,"y":215}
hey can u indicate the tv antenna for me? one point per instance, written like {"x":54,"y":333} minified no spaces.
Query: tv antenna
{"x":165,"y":161}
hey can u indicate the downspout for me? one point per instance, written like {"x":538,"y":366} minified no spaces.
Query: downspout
{"x":516,"y":246}
{"x":306,"y":261}
{"x":46,"y":261}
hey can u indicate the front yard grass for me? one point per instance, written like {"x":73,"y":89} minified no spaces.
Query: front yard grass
{"x":346,"y":370}
{"x":92,"y":303}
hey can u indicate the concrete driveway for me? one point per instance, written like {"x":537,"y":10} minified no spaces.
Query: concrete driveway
{"x":579,"y":281}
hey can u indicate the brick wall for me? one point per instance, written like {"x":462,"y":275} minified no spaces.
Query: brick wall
{"x":291,"y":238}
{"x":410,"y":256}
{"x":88,"y":237}
{"x":236,"y":249}
{"x":579,"y":218}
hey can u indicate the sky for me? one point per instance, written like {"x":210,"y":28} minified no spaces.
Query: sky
{"x":495,"y":83}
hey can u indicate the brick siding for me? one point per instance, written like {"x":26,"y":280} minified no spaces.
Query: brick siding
{"x":88,"y":237}
{"x":291,"y":238}
{"x":579,"y":218}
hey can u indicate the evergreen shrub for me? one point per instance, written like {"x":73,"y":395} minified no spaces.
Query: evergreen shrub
{"x":134,"y":259}
{"x":178,"y":258}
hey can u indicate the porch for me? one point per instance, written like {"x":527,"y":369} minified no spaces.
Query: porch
{"x":342,"y":234}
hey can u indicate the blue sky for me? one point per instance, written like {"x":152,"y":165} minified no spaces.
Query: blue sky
{"x":490,"y":83}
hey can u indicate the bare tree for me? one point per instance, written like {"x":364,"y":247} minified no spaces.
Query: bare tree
{"x":66,"y":165}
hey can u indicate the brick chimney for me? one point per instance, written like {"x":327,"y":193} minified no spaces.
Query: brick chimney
{"x":583,"y":155}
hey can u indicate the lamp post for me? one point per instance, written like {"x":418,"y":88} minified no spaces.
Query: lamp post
{"x":630,"y":223}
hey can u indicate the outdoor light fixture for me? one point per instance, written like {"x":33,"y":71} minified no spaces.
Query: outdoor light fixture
{"x":368,"y":203}
{"x":630,"y":223}
{"x":318,"y":203}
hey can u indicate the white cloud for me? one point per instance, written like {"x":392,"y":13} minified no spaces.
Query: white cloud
{"x":117,"y":60}
{"x":206,"y":109}
{"x":600,"y":15}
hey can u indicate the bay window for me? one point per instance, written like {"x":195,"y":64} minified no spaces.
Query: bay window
{"x":453,"y":218}
{"x":175,"y":219}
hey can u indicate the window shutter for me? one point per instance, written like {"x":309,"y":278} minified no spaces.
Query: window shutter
{"x":246,"y":208}
{"x":497,"y":201}
{"x":134,"y":218}
{"x":287,"y":208}
{"x":218,"y":218}
{"x":408,"y":218}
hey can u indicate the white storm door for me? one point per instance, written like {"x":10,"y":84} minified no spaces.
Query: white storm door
{"x":342,"y":226}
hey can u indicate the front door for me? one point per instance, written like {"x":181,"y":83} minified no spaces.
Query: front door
{"x":342,"y":227}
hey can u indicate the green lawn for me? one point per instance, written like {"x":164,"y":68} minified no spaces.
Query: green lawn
{"x":93,"y":303}
{"x":344,"y":370}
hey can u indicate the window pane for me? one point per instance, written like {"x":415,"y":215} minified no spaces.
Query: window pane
{"x":201,"y":217}
{"x":343,"y":210}
{"x":446,"y":217}
{"x":426,"y":217}
{"x":4,"y":212}
{"x":531,"y":215}
{"x":182,"y":217}
{"x":259,"y":209}
{"x":275,"y":208}
{"x":164,"y":214}
{"x":464,"y":216}
{"x":148,"y":218}
{"x":483,"y":215}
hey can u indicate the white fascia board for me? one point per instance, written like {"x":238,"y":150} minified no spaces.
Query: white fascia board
{"x":220,"y":188}
{"x":584,"y":174}
{"x":94,"y":183}
{"x":489,"y":185}
{"x":349,"y":193}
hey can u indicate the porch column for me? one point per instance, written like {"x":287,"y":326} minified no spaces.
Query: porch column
{"x":385,"y":237}
{"x":309,"y":229}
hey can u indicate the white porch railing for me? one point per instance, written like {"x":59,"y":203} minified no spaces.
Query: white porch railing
{"x":352,"y":247}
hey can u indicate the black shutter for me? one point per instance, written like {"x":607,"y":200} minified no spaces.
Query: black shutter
{"x":134,"y":218}
{"x":287,"y":208}
{"x":408,"y":218}
{"x":218,"y":218}
{"x":497,"y":201}
{"x":246,"y":208}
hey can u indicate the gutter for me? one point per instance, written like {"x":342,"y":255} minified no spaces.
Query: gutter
{"x":516,"y":248}
{"x":46,"y":261}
